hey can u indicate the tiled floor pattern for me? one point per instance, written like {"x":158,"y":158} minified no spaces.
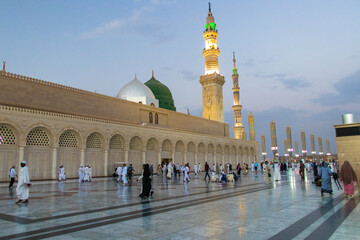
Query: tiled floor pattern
{"x":246,"y":209}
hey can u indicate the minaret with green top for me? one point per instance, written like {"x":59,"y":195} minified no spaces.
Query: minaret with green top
{"x":238,"y":128}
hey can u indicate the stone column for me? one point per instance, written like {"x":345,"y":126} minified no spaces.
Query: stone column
{"x":106,"y":162}
{"x":21,"y":155}
{"x":185,"y":157}
{"x":223,"y":158}
{"x":82,"y":156}
{"x":143,"y":157}
{"x":54,"y":163}
{"x":126,"y":156}
{"x":196,"y":158}
{"x":159,"y":156}
{"x":173,"y":156}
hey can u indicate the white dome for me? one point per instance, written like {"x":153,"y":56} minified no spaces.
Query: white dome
{"x":136,"y":91}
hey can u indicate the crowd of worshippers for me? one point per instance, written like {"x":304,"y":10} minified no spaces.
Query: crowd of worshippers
{"x":322,"y":172}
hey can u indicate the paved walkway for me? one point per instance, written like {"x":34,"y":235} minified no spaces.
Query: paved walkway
{"x":246,"y":209}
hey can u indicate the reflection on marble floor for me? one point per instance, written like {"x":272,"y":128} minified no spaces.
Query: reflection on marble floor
{"x":246,"y":209}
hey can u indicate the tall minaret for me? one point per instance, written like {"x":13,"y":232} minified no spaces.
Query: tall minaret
{"x":328,"y":147}
{"x":251,"y":127}
{"x":289,"y":139}
{"x":321,"y":151}
{"x":312,"y":140}
{"x":238,"y":127}
{"x":274,"y":146}
{"x":303,"y":143}
{"x":212,"y":81}
{"x":296,"y":149}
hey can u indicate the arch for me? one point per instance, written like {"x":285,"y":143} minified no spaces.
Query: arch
{"x":38,"y":153}
{"x":179,"y":146}
{"x":227,"y":154}
{"x":211,"y":148}
{"x":117,"y":142}
{"x":69,"y":139}
{"x":180,"y":152}
{"x":227,"y":149}
{"x":156,"y":118}
{"x":201,"y":148}
{"x":7,"y":135}
{"x":166,"y":145}
{"x":68,"y":153}
{"x":152,"y":144}
{"x":191,"y":147}
{"x":38,"y":136}
{"x":218,"y":149}
{"x":135,"y":143}
{"x":210,"y":154}
{"x":94,"y":140}
{"x":8,"y":143}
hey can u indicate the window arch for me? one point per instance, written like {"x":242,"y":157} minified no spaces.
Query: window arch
{"x":7,"y":136}
{"x":37,"y":137}
{"x":150,"y":117}
{"x":156,"y":118}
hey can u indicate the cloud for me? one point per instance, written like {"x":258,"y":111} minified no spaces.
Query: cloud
{"x":115,"y":24}
{"x":347,"y":91}
{"x":189,"y":75}
{"x":252,"y":63}
{"x":291,"y":83}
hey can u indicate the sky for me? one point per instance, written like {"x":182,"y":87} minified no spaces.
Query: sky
{"x":298,"y":61}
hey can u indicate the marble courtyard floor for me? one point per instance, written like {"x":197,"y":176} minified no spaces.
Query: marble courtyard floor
{"x":246,"y":209}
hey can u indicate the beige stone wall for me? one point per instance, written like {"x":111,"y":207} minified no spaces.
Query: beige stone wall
{"x":31,"y":93}
{"x":44,"y":161}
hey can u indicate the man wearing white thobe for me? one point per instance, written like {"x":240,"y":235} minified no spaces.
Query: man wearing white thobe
{"x":252,"y":167}
{"x":214,"y":167}
{"x":124,"y":173}
{"x":81,"y":172}
{"x":164,"y":170}
{"x":199,"y":168}
{"x":195,"y":169}
{"x":187,"y":171}
{"x":119,"y":173}
{"x":61,"y":173}
{"x":22,"y":189}
{"x":170,"y":169}
{"x":87,"y":174}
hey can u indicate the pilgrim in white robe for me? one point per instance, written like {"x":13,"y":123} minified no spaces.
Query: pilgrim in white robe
{"x":195,"y":169}
{"x":199,"y":168}
{"x":61,"y":174}
{"x":170,"y":169}
{"x":81,"y":172}
{"x":187,"y":171}
{"x":124,"y":178}
{"x":277,"y":172}
{"x":22,"y":189}
{"x":87,"y":174}
{"x":119,"y":173}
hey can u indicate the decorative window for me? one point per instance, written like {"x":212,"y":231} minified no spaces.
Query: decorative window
{"x":151,"y":145}
{"x":7,"y":136}
{"x":191,"y":147}
{"x":37,"y":137}
{"x":93,"y":141}
{"x":156,"y":118}
{"x":166,"y":146}
{"x":201,"y":148}
{"x":150,"y":117}
{"x":68,"y":139}
{"x":135,"y":143}
{"x":179,"y":147}
{"x":116,"y":143}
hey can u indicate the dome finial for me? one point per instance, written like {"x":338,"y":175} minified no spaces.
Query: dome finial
{"x":209,"y":7}
{"x":4,"y":62}
{"x":152,"y":75}
{"x":135,"y":76}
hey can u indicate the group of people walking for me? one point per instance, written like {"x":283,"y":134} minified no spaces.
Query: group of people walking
{"x":324,"y":171}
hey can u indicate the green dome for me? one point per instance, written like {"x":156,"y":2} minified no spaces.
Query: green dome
{"x":162,"y":93}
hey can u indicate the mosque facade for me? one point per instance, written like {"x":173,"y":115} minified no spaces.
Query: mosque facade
{"x":49,"y":125}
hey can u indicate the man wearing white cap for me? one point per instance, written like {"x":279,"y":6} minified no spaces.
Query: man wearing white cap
{"x":22,"y":189}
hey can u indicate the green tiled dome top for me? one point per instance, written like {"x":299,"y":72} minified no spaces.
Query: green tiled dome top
{"x":162,"y":93}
